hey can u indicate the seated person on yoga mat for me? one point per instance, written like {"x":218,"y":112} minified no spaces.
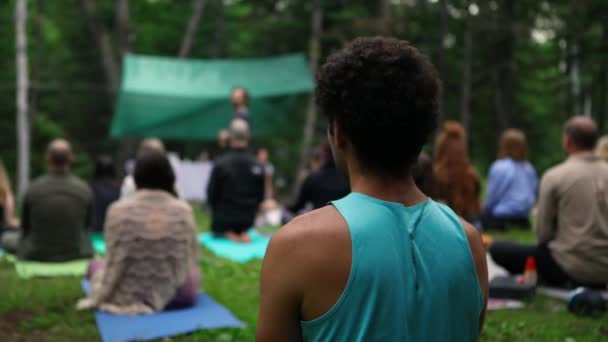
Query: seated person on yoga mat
{"x":385,"y":263}
{"x":147,"y":145}
{"x":8,"y":223}
{"x":152,"y":248}
{"x":572,"y":221}
{"x":512,"y":185}
{"x":457,"y":182}
{"x":57,"y":212}
{"x":601,"y":150}
{"x":263,"y":158}
{"x":236,"y":187}
{"x":105,"y":188}
{"x":322,"y":186}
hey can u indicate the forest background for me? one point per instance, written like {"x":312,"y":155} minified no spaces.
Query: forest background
{"x":528,"y":64}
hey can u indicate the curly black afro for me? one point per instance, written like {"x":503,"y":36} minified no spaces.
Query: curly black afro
{"x":384,"y":95}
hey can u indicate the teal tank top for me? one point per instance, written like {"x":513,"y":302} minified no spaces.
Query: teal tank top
{"x":412,"y":276}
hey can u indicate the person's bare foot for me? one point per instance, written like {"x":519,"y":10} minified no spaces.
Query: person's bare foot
{"x":238,"y":237}
{"x":245,"y":237}
{"x":232,"y":236}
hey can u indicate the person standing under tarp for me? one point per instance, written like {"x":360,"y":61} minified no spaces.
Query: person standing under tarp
{"x":240,"y":102}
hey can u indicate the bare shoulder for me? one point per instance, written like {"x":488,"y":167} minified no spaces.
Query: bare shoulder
{"x":479,"y":254}
{"x":323,"y":226}
{"x":476,"y":245}
{"x":472,"y":234}
{"x":310,"y":244}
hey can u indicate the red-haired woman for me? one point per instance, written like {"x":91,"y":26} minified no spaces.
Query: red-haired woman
{"x":457,"y":182}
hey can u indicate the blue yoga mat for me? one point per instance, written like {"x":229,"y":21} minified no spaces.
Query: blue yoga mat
{"x":239,"y":252}
{"x":206,"y":314}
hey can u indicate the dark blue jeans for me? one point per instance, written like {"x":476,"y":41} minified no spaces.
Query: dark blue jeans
{"x":512,"y":256}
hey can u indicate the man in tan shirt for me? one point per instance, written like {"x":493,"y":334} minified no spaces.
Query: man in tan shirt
{"x":572,"y":224}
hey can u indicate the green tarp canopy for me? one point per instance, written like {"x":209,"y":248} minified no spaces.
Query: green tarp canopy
{"x":174,"y":98}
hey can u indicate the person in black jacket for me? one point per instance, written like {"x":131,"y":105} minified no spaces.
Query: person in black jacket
{"x":105,"y":188}
{"x":236,"y":187}
{"x":322,"y":186}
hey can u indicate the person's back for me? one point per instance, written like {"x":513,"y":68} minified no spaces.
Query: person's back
{"x":236,"y":189}
{"x":579,"y":200}
{"x":322,"y":186}
{"x":152,"y":259}
{"x":56,"y":216}
{"x":327,"y":184}
{"x":105,"y":192}
{"x":399,"y":287}
{"x":385,"y":263}
{"x":457,"y":183}
{"x":518,"y":183}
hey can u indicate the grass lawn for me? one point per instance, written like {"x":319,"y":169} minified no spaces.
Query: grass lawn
{"x":43,"y":309}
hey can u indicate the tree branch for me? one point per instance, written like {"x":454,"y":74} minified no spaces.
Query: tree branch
{"x":193,"y":24}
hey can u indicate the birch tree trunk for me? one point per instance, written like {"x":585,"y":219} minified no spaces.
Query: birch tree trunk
{"x":121,"y":18}
{"x":575,"y":80}
{"x":198,"y":7}
{"x":104,"y":44}
{"x":23,"y":124}
{"x":311,"y":112}
{"x":465,"y":100}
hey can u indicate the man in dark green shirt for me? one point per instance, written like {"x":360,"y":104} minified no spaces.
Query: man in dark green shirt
{"x":57,"y":212}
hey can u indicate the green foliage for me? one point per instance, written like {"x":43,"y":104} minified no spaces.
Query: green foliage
{"x":68,"y":83}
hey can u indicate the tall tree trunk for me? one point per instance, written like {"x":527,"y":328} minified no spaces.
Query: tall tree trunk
{"x":505,"y":65}
{"x":311,"y":111}
{"x":122,"y":31}
{"x":587,"y":104}
{"x":23,"y":124}
{"x":121,"y":18}
{"x":465,"y":100}
{"x":385,"y":16}
{"x":36,"y":60}
{"x":575,"y":79}
{"x":217,"y":49}
{"x":104,"y":44}
{"x":443,"y":30}
{"x":198,"y":7}
{"x":603,"y":83}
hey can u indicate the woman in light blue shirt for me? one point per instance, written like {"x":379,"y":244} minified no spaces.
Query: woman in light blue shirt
{"x":512,"y":184}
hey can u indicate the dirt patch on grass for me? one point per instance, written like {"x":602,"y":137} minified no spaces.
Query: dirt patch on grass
{"x":10,"y":323}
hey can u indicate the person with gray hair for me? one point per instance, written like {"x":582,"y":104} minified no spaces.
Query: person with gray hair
{"x":146,"y":147}
{"x":57,"y":212}
{"x":572,"y":220}
{"x":236,"y":187}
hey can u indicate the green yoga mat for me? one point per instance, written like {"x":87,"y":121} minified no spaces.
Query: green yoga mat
{"x":30,"y":269}
{"x":98,"y":242}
